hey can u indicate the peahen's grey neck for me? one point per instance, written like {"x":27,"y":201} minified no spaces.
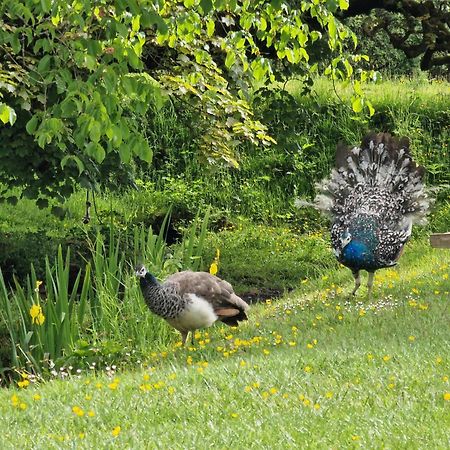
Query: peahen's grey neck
{"x":163,"y":300}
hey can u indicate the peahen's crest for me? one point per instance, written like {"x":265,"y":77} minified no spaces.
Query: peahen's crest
{"x":374,"y":196}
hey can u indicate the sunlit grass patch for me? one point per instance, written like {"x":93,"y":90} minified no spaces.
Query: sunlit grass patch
{"x":315,"y":369}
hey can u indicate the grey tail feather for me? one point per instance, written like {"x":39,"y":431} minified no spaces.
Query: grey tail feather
{"x":383,"y":162}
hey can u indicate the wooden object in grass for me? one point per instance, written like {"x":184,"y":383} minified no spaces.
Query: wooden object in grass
{"x":440,"y":240}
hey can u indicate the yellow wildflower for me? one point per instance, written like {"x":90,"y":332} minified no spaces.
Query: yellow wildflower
{"x":116,"y":431}
{"x":23,"y":383}
{"x":213,"y":269}
{"x":78,"y":411}
{"x":447,"y":396}
{"x":113,"y":385}
{"x":36,"y":314}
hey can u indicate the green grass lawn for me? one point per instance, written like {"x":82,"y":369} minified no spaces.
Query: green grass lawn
{"x":314,"y":369}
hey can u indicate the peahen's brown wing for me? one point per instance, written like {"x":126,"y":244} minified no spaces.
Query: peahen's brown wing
{"x":216,"y":291}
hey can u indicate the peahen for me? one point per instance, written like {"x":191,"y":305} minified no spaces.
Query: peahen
{"x":374,"y":196}
{"x":190,"y":300}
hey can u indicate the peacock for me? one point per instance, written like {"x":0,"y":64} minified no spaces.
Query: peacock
{"x":191,"y":300}
{"x":373,"y":196}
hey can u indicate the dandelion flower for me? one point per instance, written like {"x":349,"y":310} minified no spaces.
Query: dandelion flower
{"x":78,"y":411}
{"x":113,"y":385}
{"x":447,"y":396}
{"x":116,"y":431}
{"x":15,"y":400}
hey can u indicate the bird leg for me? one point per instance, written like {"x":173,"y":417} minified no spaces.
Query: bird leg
{"x":357,"y":281}
{"x":184,"y":335}
{"x":370,"y":284}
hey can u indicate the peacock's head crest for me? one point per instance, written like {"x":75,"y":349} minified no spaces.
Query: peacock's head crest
{"x":140,"y":271}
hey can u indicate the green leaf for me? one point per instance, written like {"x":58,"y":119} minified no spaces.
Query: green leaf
{"x":136,"y":23}
{"x":94,"y":131}
{"x":95,"y":151}
{"x":142,"y":149}
{"x":357,"y":88}
{"x":210,"y":26}
{"x":7,"y":114}
{"x":349,"y":68}
{"x":46,"y":5}
{"x":230,"y":59}
{"x":32,"y":125}
{"x":332,"y":27}
{"x":343,"y":4}
{"x":206,"y":6}
{"x":276,"y":4}
{"x":357,"y":105}
{"x":125,"y":153}
{"x":77,"y":161}
{"x":263,"y":24}
{"x":44,"y":64}
{"x":370,"y":108}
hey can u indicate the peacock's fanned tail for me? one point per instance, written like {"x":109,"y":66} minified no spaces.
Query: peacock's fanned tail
{"x":379,"y":173}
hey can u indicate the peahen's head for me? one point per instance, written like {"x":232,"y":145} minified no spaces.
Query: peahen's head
{"x":145,"y":276}
{"x":140,"y":270}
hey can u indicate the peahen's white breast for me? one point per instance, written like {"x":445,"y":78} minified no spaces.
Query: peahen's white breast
{"x":198,"y":314}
